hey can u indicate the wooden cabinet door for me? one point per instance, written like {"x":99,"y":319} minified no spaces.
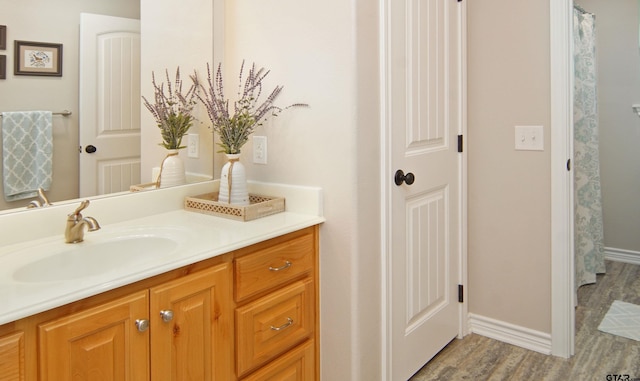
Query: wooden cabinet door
{"x":192,"y":331}
{"x":100,"y":343}
{"x":12,"y":357}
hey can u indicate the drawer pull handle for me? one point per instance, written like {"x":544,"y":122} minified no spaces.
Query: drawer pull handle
{"x":286,"y":265}
{"x":284,"y":326}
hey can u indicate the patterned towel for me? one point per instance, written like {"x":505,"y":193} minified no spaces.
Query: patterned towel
{"x":27,"y":148}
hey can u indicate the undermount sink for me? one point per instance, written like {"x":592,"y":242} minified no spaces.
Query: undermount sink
{"x":96,"y":256}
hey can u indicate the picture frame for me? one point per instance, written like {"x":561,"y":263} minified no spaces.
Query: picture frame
{"x":3,"y":37}
{"x":37,"y":58}
{"x":3,"y":66}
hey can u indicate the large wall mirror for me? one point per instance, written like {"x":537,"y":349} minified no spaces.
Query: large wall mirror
{"x":163,"y":24}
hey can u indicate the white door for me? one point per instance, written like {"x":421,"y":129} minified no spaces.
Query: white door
{"x":424,"y":108}
{"x":109,"y":104}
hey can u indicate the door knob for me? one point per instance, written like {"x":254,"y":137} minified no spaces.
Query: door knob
{"x":90,"y":149}
{"x":400,"y":178}
{"x":142,"y":324}
{"x":166,"y":315}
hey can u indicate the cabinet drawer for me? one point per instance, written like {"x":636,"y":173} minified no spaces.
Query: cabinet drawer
{"x":274,"y":266}
{"x":274,"y":324}
{"x":295,"y":365}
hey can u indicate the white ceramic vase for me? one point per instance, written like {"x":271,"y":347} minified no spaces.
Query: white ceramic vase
{"x":172,"y":170}
{"x":233,"y":182}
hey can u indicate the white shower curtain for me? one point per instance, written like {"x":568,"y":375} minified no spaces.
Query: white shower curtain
{"x":589,"y":234}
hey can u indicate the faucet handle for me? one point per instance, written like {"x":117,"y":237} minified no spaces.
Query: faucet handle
{"x":83,"y":205}
{"x":44,"y":201}
{"x":43,"y":197}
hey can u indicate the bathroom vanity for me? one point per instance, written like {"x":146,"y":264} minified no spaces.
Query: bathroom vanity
{"x":231,"y":301}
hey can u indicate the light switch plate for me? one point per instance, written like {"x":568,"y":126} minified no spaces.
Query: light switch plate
{"x":529,"y":138}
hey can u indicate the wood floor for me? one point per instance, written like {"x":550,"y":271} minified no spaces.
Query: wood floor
{"x":598,"y":355}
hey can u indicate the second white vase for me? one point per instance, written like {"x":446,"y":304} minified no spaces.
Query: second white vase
{"x":233,"y":182}
{"x":172,"y":170}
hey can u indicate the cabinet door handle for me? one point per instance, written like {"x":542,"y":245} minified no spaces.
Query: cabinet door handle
{"x":284,"y":326}
{"x":166,"y":315}
{"x":286,"y":265}
{"x":142,"y":324}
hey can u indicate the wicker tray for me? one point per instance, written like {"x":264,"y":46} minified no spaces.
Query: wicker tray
{"x":259,"y":206}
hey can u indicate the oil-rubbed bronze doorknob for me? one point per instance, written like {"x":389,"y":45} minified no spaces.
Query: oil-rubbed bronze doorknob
{"x":400,"y":178}
{"x":90,"y":149}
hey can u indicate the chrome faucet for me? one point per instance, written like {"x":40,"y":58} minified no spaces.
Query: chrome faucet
{"x":39,"y":203}
{"x":74,"y":231}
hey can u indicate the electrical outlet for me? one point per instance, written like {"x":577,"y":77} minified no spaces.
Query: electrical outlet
{"x":193,"y":145}
{"x":260,"y":149}
{"x":529,"y":138}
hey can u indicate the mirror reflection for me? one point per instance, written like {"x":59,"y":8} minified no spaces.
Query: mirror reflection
{"x":104,"y":101}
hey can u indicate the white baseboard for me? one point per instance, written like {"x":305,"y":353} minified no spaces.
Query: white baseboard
{"x":622,"y":255}
{"x":510,"y":333}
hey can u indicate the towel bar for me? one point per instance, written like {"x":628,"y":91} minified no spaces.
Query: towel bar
{"x":63,"y":113}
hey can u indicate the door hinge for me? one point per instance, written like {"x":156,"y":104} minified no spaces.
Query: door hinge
{"x":460,"y":293}
{"x":460,"y":141}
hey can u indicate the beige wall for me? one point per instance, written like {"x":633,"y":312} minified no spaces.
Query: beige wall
{"x":509,"y":191}
{"x":56,"y":22}
{"x":618,"y":63}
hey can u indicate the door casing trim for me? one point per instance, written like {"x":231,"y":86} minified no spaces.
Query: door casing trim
{"x":562,"y":256}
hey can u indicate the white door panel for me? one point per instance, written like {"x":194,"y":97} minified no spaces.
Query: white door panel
{"x":423,"y":106}
{"x":109,"y":104}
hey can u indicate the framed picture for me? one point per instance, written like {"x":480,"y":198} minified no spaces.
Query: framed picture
{"x":3,"y":37}
{"x":3,"y":67}
{"x":37,"y":58}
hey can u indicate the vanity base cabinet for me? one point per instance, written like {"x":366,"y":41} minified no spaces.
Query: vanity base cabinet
{"x":250,"y":314}
{"x":12,"y":366}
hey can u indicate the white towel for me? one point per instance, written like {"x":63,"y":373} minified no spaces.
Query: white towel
{"x":27,"y":150}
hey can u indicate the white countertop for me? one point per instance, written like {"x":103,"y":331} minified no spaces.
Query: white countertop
{"x":202,"y":237}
